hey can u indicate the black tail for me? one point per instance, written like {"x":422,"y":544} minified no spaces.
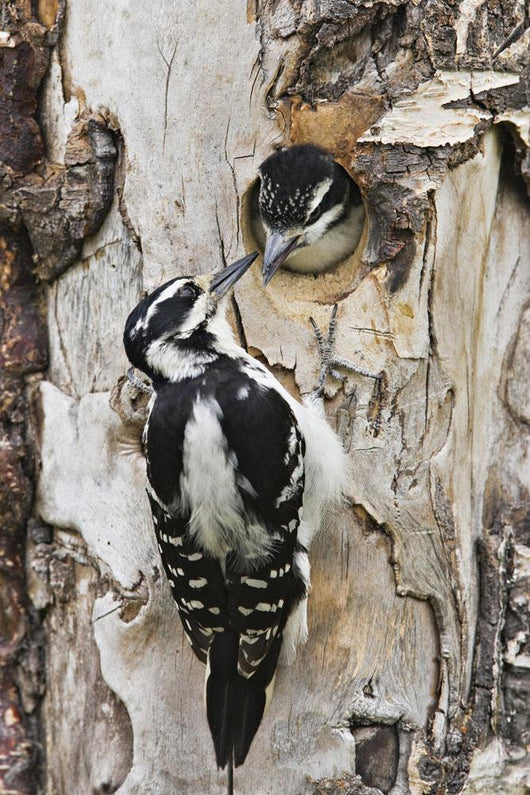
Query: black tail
{"x":234,"y":704}
{"x":230,"y":777}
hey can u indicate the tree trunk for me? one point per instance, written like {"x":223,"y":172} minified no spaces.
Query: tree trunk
{"x":153,"y":121}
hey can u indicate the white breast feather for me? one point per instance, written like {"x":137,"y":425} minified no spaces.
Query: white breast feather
{"x":209,"y":490}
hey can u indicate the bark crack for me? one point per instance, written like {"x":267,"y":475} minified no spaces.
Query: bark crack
{"x":168,"y":61}
{"x":234,"y":181}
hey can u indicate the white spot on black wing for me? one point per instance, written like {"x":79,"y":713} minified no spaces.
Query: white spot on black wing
{"x":191,"y":574}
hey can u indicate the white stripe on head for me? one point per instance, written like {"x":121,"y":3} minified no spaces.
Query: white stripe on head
{"x":143,"y":322}
{"x":319,"y":228}
{"x":169,"y":292}
{"x":318,"y":194}
{"x":195,"y":317}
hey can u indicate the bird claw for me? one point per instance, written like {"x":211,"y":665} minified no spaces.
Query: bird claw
{"x":337,"y":376}
{"x":140,"y":385}
{"x":329,"y":362}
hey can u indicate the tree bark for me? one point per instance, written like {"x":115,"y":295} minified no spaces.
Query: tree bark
{"x":129,"y":154}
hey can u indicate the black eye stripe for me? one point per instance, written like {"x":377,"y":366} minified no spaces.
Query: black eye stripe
{"x":315,"y":215}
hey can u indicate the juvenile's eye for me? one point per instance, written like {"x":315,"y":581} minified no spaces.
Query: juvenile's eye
{"x":186,"y":291}
{"x":315,"y":215}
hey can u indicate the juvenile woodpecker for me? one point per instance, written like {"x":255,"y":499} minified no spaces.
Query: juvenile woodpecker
{"x":240,"y":477}
{"x":309,"y":214}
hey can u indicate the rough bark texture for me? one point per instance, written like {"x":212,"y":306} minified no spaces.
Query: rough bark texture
{"x":45,"y":212}
{"x":416,"y":675}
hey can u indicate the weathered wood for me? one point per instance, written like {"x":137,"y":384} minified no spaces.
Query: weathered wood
{"x":22,"y":353}
{"x":417,"y":624}
{"x":45,"y":212}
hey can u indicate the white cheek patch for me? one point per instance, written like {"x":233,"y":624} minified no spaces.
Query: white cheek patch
{"x":318,"y":194}
{"x":317,"y":230}
{"x":173,"y":363}
{"x":197,"y":316}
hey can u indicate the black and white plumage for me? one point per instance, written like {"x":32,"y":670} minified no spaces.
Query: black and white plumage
{"x":308,"y":214}
{"x":240,"y":477}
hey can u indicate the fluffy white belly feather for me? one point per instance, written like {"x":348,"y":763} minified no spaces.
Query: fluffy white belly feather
{"x":210,"y":490}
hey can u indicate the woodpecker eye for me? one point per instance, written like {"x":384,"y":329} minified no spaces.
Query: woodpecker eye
{"x":315,"y":215}
{"x":186,"y":291}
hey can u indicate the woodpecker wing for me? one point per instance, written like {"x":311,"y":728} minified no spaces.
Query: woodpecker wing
{"x":259,"y":442}
{"x":259,"y":611}
{"x":264,"y":437}
{"x":196,"y":581}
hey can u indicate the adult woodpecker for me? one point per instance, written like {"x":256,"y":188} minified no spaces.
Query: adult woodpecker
{"x":240,"y":477}
{"x":309,"y":214}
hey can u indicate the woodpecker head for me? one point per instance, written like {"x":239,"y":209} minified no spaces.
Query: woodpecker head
{"x":181,"y":322}
{"x":303,"y":194}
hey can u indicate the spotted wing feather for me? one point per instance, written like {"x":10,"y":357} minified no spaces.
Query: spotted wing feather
{"x":196,"y":581}
{"x":260,"y":601}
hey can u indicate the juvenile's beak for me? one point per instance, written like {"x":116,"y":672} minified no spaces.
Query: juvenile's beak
{"x":277,"y":248}
{"x":223,"y":280}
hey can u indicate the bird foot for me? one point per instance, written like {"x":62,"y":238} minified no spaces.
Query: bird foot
{"x":329,"y":362}
{"x":129,"y":398}
{"x":140,"y":385}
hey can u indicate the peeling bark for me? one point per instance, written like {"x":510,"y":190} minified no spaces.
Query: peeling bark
{"x":22,"y":353}
{"x":45,"y":213}
{"x":60,"y":207}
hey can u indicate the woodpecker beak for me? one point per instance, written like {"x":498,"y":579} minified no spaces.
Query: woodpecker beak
{"x":277,"y":248}
{"x":223,"y":280}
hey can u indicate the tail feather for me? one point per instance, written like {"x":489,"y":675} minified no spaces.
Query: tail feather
{"x":235,"y":705}
{"x":222,"y":670}
{"x":250,"y":704}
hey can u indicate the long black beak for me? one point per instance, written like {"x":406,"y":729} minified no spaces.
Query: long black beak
{"x":225,"y":279}
{"x":277,"y":249}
